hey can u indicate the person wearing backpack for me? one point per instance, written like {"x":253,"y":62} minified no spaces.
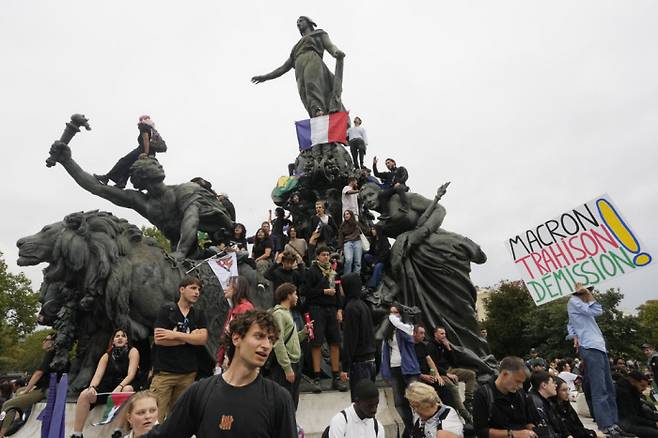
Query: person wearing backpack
{"x":149,"y":142}
{"x":358,"y":420}
{"x":284,"y":365}
{"x":500,"y":408}
{"x":432,"y":419}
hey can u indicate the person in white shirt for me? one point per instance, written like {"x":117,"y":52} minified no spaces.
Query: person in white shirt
{"x":564,"y":370}
{"x":358,"y":420}
{"x":349,"y":197}
{"x":432,"y":419}
{"x":358,"y":140}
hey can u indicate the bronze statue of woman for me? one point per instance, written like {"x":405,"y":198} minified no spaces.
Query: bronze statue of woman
{"x":318,"y":88}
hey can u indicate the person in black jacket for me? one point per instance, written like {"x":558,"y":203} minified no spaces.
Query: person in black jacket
{"x":377,"y":256}
{"x":359,"y":346}
{"x":567,"y":414}
{"x":323,"y":302}
{"x":283,"y":271}
{"x":394,"y":182}
{"x":549,"y":423}
{"x":323,"y":227}
{"x":633,"y":418}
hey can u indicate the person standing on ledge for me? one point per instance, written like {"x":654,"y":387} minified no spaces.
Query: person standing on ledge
{"x":358,"y":140}
{"x":149,"y":142}
{"x":315,"y":82}
{"x":394,"y":181}
{"x":589,"y":342}
{"x":180,"y":330}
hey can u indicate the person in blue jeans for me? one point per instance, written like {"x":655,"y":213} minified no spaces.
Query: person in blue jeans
{"x":588,"y":340}
{"x":349,"y":238}
{"x":400,"y":365}
{"x":377,"y":256}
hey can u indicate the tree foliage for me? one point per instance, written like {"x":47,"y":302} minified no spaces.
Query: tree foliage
{"x":18,"y":308}
{"x":648,"y":316}
{"x":515,"y":324}
{"x":157,"y":235}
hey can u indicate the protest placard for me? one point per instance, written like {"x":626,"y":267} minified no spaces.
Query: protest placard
{"x":589,"y":244}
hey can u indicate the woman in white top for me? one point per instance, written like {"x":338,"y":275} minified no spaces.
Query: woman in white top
{"x":564,"y":369}
{"x":141,"y":413}
{"x":432,"y":419}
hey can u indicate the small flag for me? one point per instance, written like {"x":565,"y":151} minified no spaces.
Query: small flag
{"x":112,"y":406}
{"x":323,"y":129}
{"x":53,"y":415}
{"x":224,"y":267}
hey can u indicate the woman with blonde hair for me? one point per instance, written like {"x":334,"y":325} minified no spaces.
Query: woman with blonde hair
{"x":432,"y":419}
{"x":141,"y":412}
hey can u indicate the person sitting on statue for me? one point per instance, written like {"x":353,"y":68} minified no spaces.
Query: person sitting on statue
{"x":261,"y":251}
{"x":178,"y":210}
{"x":358,"y":140}
{"x":149,"y":142}
{"x":115,"y":372}
{"x":323,"y":227}
{"x":377,"y":256}
{"x":36,"y":389}
{"x":394,"y":183}
{"x":315,"y":82}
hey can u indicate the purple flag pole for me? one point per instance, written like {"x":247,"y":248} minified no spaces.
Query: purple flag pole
{"x":58,"y":422}
{"x":46,"y":415}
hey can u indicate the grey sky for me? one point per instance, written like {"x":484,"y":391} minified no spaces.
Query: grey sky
{"x":529,"y":108}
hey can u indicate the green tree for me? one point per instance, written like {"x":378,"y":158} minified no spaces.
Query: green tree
{"x":505,"y":324}
{"x":648,"y":316}
{"x":18,"y":308}
{"x":515,"y":324}
{"x":157,"y":235}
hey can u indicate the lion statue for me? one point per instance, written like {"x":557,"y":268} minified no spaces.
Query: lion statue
{"x":103,"y":273}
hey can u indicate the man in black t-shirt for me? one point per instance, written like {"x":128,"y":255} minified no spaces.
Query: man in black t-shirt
{"x":36,"y":389}
{"x":180,"y":330}
{"x":239,"y":403}
{"x":500,"y":407}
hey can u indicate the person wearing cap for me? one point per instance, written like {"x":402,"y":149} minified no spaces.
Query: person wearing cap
{"x":632,"y":416}
{"x":652,"y":362}
{"x":583,"y":309}
{"x":536,"y":360}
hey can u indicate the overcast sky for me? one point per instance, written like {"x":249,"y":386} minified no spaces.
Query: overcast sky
{"x":528,"y":108}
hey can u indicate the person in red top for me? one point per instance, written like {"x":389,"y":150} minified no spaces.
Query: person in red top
{"x":236,"y":295}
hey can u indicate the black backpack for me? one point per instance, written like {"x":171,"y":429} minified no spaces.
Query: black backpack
{"x":325,"y":433}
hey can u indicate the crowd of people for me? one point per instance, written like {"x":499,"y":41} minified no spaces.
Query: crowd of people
{"x":319,"y":272}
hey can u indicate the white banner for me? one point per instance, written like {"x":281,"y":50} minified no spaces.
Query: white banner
{"x":224,"y":267}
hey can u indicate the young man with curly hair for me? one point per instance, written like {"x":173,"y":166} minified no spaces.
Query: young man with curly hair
{"x":239,"y":402}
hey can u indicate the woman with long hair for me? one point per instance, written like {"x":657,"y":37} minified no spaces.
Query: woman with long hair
{"x":141,"y":412}
{"x":377,"y":256}
{"x":115,"y":372}
{"x":236,"y":293}
{"x":567,"y":413}
{"x":240,"y":236}
{"x":349,"y":238}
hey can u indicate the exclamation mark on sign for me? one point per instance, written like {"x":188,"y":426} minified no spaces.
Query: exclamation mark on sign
{"x":622,"y":232}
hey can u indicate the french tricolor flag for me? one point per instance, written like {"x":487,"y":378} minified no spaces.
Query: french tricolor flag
{"x":323,"y":129}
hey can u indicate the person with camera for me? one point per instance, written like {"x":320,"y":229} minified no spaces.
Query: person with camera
{"x":400,"y":365}
{"x":583,"y":309}
{"x":549,"y":423}
{"x":323,"y":301}
{"x":179,"y":330}
{"x":500,"y":407}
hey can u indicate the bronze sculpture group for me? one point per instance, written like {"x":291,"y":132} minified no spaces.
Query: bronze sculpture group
{"x":100,"y":266}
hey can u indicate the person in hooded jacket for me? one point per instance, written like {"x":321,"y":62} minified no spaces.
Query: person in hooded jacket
{"x":359,"y":348}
